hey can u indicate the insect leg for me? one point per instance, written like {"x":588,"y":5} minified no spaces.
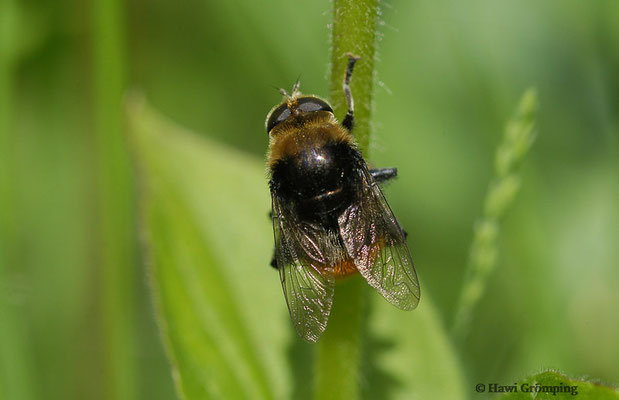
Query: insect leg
{"x":274,"y":261}
{"x":381,"y":175}
{"x":349,"y":120}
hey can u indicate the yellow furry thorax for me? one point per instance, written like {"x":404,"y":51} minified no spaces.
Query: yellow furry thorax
{"x":314,"y":129}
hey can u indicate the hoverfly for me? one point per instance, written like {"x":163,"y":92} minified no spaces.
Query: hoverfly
{"x":330,"y":217}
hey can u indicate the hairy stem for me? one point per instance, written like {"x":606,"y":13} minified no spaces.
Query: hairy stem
{"x":518,"y":138}
{"x":338,"y":352}
{"x":354,"y":31}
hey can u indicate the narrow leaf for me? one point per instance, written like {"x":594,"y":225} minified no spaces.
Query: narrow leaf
{"x":208,"y":237}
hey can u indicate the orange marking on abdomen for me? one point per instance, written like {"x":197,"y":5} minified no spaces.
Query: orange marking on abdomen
{"x":345,"y":268}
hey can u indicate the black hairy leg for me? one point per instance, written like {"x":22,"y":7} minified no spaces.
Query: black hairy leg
{"x":274,"y":261}
{"x":382,"y":175}
{"x":349,"y":119}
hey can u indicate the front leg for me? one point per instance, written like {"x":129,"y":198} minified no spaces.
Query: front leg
{"x":349,"y":119}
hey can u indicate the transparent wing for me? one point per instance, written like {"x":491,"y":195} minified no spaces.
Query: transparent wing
{"x":376,"y":243}
{"x":302,"y":252}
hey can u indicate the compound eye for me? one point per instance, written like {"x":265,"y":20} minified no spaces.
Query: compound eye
{"x":277,"y":116}
{"x":313,"y":104}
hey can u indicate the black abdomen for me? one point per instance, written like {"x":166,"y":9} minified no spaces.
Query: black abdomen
{"x":320,"y":183}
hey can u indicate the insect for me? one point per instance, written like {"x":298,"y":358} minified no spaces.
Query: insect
{"x":330,"y":217}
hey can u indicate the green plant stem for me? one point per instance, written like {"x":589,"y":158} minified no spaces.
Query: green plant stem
{"x":338,"y":353}
{"x":339,"y":350}
{"x":518,"y":138}
{"x":354,"y":31}
{"x":116,"y":213}
{"x":15,"y":360}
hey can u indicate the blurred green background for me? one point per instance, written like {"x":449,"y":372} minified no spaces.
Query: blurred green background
{"x":449,"y":74}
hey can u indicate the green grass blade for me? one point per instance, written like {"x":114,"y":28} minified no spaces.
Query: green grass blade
{"x":517,"y":140}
